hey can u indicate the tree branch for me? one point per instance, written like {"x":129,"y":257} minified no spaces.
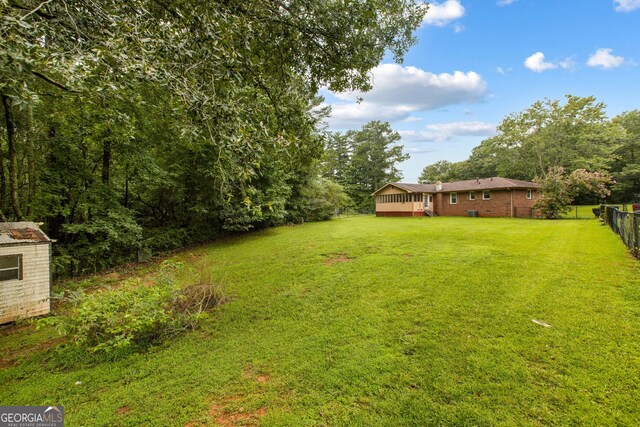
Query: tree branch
{"x":36,"y":11}
{"x":53,"y":82}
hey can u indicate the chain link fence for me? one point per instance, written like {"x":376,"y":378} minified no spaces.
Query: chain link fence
{"x":626,"y":225}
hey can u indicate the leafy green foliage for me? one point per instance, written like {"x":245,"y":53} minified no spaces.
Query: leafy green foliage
{"x":626,"y":168}
{"x":321,"y":200}
{"x":154,"y":124}
{"x":560,"y":190}
{"x":443,"y":171}
{"x":574,"y":135}
{"x":134,"y":315}
{"x":362,"y":161}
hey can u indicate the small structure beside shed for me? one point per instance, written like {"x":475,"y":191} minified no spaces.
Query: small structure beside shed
{"x":25,"y":272}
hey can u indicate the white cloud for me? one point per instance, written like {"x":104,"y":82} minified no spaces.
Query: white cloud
{"x":603,"y":58}
{"x":400,"y":91}
{"x":442,"y":132}
{"x":417,"y":149}
{"x":627,"y":5}
{"x":536,"y":63}
{"x":503,"y":71}
{"x":412,"y":119}
{"x":568,"y":64}
{"x":458,"y":28}
{"x":505,"y":2}
{"x":440,"y":14}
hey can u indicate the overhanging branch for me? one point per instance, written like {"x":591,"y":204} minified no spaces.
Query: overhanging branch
{"x":53,"y":82}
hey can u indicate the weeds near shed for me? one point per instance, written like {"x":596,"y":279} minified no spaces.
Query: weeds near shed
{"x":194,"y":302}
{"x":134,"y":315}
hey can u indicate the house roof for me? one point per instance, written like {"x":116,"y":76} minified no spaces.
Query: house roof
{"x":493,"y":183}
{"x":21,"y":232}
{"x":411,"y":188}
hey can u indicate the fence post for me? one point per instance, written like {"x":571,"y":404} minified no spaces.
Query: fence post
{"x":636,"y":229}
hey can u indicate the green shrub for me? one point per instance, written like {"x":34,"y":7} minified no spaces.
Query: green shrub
{"x":135,"y":315}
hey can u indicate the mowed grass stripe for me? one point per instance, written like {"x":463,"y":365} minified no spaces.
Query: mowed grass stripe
{"x":383,"y":321}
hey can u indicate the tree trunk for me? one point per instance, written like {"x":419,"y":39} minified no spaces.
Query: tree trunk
{"x":106,"y":161}
{"x":31,"y":163}
{"x":3,"y":181}
{"x":13,"y":160}
{"x":126,"y":186}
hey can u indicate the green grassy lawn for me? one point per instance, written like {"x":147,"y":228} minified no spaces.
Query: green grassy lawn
{"x":580,"y":212}
{"x":376,"y":321}
{"x":585,"y":211}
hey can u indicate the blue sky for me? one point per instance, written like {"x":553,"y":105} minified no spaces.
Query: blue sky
{"x":478,"y":60}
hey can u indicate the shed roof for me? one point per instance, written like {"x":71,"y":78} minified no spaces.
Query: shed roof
{"x":493,"y":183}
{"x":21,"y":232}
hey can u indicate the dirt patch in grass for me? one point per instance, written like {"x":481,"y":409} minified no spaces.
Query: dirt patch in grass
{"x":13,"y":328}
{"x":331,"y":259}
{"x":262,"y":378}
{"x":224,"y":414}
{"x":22,"y":352}
{"x":241,"y":416}
{"x":249,"y":373}
{"x":123,"y":410}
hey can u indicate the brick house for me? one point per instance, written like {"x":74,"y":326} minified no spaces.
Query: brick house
{"x":486,"y":197}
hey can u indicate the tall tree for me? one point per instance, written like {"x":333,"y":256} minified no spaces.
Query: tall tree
{"x":626,"y":168}
{"x":445,"y":171}
{"x":156,"y":123}
{"x":374,"y":162}
{"x":337,"y":156}
{"x":573,"y":135}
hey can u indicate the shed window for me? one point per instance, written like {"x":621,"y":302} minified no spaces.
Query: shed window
{"x":486,"y":195}
{"x":472,"y":195}
{"x":453,"y":198}
{"x":11,"y":267}
{"x":529,"y":194}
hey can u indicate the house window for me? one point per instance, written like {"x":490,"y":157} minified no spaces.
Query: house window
{"x":529,"y":194}
{"x":453,"y":198}
{"x":486,"y":195}
{"x":11,"y":267}
{"x":472,"y":195}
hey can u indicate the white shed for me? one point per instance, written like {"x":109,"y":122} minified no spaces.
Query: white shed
{"x":25,"y":272}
